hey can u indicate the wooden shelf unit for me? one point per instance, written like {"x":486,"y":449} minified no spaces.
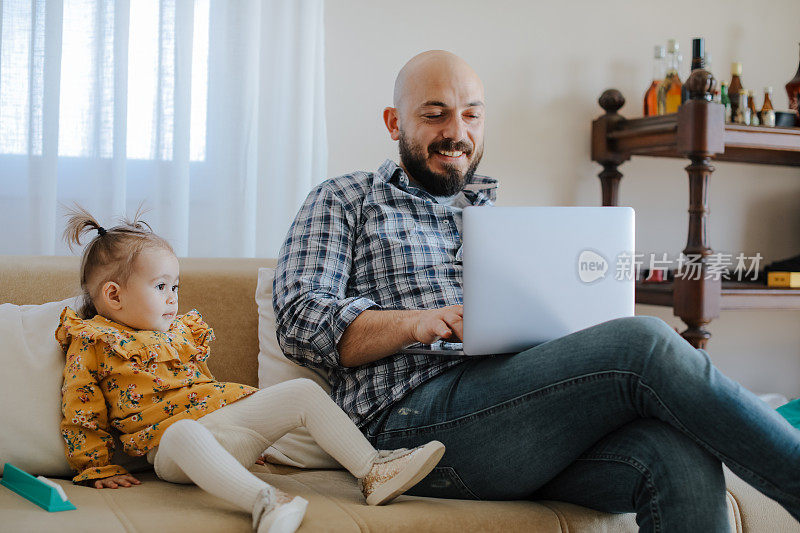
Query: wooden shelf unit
{"x":733,"y":295}
{"x":697,"y":132}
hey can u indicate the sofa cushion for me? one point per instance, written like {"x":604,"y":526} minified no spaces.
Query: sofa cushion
{"x":337,"y":505}
{"x":30,"y":388}
{"x":296,"y":448}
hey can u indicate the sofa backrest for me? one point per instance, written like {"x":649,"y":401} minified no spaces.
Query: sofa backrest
{"x":222,"y":289}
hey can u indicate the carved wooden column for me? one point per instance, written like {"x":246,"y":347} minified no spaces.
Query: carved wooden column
{"x":701,"y":125}
{"x":611,"y":101}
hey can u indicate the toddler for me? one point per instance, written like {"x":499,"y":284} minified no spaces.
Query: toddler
{"x":134,"y":365}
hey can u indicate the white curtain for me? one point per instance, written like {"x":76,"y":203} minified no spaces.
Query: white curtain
{"x":210,"y":112}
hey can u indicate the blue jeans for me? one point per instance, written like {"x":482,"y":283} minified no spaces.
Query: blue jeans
{"x":625,"y":416}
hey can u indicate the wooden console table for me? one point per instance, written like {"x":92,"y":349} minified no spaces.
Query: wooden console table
{"x":698,"y":132}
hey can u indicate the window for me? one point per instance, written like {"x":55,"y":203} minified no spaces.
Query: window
{"x":88,"y":70}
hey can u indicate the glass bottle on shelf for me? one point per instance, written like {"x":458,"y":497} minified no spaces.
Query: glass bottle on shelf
{"x":751,"y":107}
{"x":651,"y":96}
{"x":715,"y":97}
{"x":669,"y":91}
{"x":698,"y":61}
{"x":725,"y":101}
{"x":767,"y":113}
{"x":793,"y":92}
{"x":742,"y":111}
{"x":734,"y":87}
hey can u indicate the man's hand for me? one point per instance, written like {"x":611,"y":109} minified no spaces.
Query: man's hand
{"x":445,"y":323}
{"x":114,"y":482}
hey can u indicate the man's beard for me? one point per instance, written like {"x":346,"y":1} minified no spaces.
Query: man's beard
{"x":413,"y":158}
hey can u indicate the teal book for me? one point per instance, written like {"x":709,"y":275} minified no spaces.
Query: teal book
{"x":45,"y":493}
{"x":791,"y":412}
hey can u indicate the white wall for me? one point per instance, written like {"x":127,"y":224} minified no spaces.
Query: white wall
{"x":544,"y":64}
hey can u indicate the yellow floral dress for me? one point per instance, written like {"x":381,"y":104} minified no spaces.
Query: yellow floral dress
{"x":137,"y":382}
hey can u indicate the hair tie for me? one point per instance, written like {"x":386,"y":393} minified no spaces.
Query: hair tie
{"x":101,"y":230}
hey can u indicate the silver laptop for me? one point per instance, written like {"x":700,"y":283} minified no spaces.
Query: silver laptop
{"x":534,"y":274}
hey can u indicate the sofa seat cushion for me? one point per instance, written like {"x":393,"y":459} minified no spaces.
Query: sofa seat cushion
{"x":337,"y":505}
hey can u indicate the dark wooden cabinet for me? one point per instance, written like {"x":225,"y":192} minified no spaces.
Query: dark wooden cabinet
{"x":697,"y":132}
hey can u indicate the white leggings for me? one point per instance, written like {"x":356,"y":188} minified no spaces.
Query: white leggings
{"x":216,"y":450}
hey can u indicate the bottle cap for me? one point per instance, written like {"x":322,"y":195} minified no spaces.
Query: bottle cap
{"x":736,"y":68}
{"x":751,"y":92}
{"x":672,"y":46}
{"x":658,"y":51}
{"x":768,"y":90}
{"x":698,"y":47}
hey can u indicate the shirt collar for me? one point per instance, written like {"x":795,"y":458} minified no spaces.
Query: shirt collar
{"x":477,"y":186}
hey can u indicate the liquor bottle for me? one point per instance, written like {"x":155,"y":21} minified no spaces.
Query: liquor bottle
{"x":715,"y":97}
{"x":698,"y":61}
{"x":793,"y":92}
{"x":751,"y":107}
{"x":734,"y":87}
{"x":725,"y":101}
{"x":651,"y":96}
{"x":742,"y":111}
{"x":767,"y":114}
{"x":669,"y":91}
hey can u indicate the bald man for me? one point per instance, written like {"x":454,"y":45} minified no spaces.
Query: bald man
{"x":625,"y":416}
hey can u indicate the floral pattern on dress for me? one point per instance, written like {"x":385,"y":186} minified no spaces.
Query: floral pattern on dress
{"x":136,"y":382}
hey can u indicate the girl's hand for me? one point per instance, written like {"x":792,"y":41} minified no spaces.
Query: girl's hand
{"x":114,"y":482}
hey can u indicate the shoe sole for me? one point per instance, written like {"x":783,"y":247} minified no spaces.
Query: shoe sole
{"x":427,"y":458}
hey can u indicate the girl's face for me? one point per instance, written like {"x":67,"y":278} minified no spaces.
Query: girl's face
{"x":149,"y":300}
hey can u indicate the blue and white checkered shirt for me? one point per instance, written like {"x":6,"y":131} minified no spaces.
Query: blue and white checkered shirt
{"x":368,"y":240}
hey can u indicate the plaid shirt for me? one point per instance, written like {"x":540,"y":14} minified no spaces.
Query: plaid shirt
{"x":368,"y":240}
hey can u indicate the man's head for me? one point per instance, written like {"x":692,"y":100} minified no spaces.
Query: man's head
{"x":438,"y":117}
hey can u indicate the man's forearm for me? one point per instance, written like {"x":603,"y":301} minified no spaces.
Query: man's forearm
{"x":374,"y":335}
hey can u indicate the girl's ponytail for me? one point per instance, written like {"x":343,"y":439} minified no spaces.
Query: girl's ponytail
{"x":80,"y":222}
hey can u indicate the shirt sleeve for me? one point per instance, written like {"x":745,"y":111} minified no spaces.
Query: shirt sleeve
{"x":84,"y":426}
{"x":314,"y":267}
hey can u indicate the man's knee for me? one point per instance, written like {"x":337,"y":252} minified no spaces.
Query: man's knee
{"x":646,"y":327}
{"x":651,"y":336}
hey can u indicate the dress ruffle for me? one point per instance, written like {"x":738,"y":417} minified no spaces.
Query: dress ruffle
{"x":144,"y":347}
{"x":199,"y":331}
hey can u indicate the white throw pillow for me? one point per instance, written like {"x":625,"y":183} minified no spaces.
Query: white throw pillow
{"x":32,"y":365}
{"x":296,"y":448}
{"x":30,"y":388}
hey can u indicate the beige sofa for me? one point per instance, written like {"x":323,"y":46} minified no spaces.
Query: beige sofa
{"x":223,"y":290}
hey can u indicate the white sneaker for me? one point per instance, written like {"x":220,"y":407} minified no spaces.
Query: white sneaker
{"x":273,"y":512}
{"x":396,"y":471}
